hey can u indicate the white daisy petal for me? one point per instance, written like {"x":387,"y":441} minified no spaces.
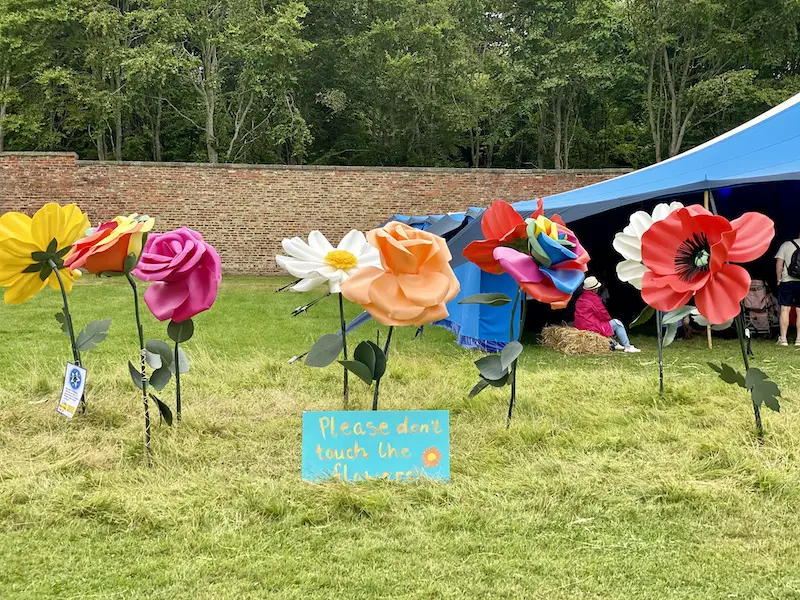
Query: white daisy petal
{"x":309,"y":284}
{"x":631,"y":271}
{"x":329,"y":272}
{"x":298,"y":268}
{"x":629,"y":246}
{"x":641,"y":222}
{"x":353,"y":242}
{"x":299,"y":249}
{"x":319,"y":242}
{"x":335,"y":287}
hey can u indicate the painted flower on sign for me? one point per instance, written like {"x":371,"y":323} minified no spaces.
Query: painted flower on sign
{"x":32,"y":249}
{"x":431,"y":457}
{"x":318,"y":262}
{"x":691,"y":253}
{"x":415,"y":283}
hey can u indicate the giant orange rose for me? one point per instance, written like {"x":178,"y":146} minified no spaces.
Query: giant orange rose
{"x":107,"y":249}
{"x":415,"y":283}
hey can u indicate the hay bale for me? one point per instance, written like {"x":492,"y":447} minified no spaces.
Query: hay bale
{"x":574,"y":342}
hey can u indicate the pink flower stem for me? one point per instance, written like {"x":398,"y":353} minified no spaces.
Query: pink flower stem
{"x":143,"y":365}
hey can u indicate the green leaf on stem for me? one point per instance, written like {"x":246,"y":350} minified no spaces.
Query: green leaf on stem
{"x":489,"y":299}
{"x":92,"y":335}
{"x":130,"y":262}
{"x":644,"y":316}
{"x":510,"y":353}
{"x":160,"y":378}
{"x":479,"y":387}
{"x":180,"y":331}
{"x":136,"y":375}
{"x":767,"y":392}
{"x":360,"y":369}
{"x":380,"y":360}
{"x":183,"y":363}
{"x":491,"y":367}
{"x":669,"y":334}
{"x":62,"y":319}
{"x":728,"y":374}
{"x":365,"y":354}
{"x":158,"y":354}
{"x":501,"y":382}
{"x":163,"y":409}
{"x":325,"y":350}
{"x":677,"y":315}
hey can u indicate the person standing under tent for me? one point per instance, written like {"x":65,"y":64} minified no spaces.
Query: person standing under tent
{"x":591,"y":315}
{"x":787,"y":267}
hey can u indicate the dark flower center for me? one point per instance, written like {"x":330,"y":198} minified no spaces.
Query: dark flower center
{"x":693,"y":257}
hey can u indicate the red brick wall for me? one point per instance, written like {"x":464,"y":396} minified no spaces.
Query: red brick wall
{"x":245,"y":210}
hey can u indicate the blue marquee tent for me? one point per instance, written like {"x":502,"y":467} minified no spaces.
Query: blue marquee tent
{"x":763,"y":150}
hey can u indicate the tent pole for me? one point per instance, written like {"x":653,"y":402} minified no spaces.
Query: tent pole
{"x":708,"y":327}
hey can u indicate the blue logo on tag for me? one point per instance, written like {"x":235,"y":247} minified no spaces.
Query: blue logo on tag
{"x":75,"y":379}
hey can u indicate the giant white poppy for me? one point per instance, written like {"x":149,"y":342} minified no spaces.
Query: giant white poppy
{"x":318,"y":262}
{"x":629,"y":242}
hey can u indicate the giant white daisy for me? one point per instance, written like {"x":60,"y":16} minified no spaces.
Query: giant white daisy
{"x":629,"y":242}
{"x":317,"y":261}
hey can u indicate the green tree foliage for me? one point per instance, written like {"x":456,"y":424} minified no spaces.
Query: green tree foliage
{"x":480,"y":83}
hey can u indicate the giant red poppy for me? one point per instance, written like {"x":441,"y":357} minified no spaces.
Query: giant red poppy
{"x":690,"y":253}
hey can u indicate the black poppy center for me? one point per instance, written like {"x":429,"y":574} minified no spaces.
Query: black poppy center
{"x":693,"y":256}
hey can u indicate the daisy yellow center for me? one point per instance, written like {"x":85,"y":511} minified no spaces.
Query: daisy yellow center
{"x":431,"y":456}
{"x":341,"y":259}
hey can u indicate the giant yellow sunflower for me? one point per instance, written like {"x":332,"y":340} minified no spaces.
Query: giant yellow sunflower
{"x":29,"y":247}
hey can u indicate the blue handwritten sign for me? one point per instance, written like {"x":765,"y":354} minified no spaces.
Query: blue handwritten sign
{"x":385,"y":444}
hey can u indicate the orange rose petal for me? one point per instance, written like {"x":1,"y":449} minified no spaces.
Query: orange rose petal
{"x":385,"y":293}
{"x":112,"y":259}
{"x":356,"y":287}
{"x":432,"y":314}
{"x":425,"y":290}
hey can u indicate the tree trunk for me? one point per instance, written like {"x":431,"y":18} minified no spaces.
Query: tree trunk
{"x":100,"y":141}
{"x":3,"y":108}
{"x":540,"y":139}
{"x":157,"y":130}
{"x":557,"y":145}
{"x":210,"y":91}
{"x":118,"y":116}
{"x":655,"y":128}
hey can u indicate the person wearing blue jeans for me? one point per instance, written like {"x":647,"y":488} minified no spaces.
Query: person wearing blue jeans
{"x":619,"y":332}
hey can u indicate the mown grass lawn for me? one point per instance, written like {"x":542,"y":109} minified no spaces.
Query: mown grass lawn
{"x":600,"y":489}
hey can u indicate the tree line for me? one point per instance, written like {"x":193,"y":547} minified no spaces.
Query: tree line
{"x":478,"y":83}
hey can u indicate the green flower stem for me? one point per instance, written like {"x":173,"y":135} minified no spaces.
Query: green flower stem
{"x":660,"y":334}
{"x":344,"y":349}
{"x":143,"y":365}
{"x":511,"y":338}
{"x":386,"y":354}
{"x":177,"y":384}
{"x":76,"y":355}
{"x":756,"y":410}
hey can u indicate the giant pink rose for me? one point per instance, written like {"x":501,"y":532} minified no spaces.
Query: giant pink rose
{"x":186,"y":272}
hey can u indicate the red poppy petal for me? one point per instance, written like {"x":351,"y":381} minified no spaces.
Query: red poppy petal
{"x":520,"y":231}
{"x":660,"y":296}
{"x":499,"y":219}
{"x":719,"y":300}
{"x":719,"y":252}
{"x":481,"y":253}
{"x":697,"y":209}
{"x":754,"y":233}
{"x":539,"y":212}
{"x":660,"y":244}
{"x":713,"y":226}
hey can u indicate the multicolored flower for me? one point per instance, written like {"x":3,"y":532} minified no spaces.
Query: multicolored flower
{"x":318,"y":262}
{"x":629,"y":242}
{"x":29,"y":245}
{"x":542,"y":255}
{"x":415,"y":283}
{"x":108,"y":248}
{"x":691,"y":253}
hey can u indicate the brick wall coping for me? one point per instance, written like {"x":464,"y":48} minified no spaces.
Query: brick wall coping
{"x":281,"y":167}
